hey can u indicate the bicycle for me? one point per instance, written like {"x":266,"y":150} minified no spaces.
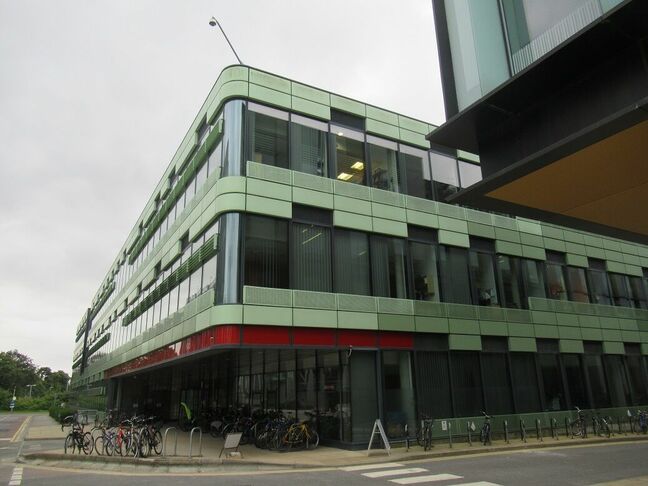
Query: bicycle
{"x":578,"y":427}
{"x":299,"y":434}
{"x":424,"y":432}
{"x":601,"y":426}
{"x":76,"y":438}
{"x":485,"y":432}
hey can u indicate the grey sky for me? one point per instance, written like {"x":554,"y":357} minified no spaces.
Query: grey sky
{"x":95,"y":97}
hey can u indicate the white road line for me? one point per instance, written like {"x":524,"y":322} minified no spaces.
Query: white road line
{"x":478,"y":483}
{"x":366,"y":467}
{"x":425,"y":479}
{"x":395,"y":472}
{"x":16,"y":476}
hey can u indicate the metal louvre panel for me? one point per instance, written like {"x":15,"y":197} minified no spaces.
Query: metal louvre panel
{"x":268,"y":172}
{"x":359,"y":303}
{"x":395,"y":306}
{"x":309,"y":181}
{"x":314,"y":300}
{"x":267,"y":296}
{"x":352,"y":190}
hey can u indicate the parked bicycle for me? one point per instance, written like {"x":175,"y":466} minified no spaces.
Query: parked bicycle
{"x":578,"y":426}
{"x":602,"y":426}
{"x":76,"y":440}
{"x":424,"y":432}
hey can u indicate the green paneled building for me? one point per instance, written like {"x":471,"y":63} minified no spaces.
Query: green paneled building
{"x":298,"y":255}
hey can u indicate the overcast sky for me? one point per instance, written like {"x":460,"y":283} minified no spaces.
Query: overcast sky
{"x":95,"y":97}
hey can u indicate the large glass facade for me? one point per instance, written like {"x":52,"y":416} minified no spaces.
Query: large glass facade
{"x":266,"y":252}
{"x":351,"y":264}
{"x":308,"y":146}
{"x":349,"y":155}
{"x":455,"y":279}
{"x":267,"y":135}
{"x":384,"y":164}
{"x":310,"y":264}
{"x":389,"y":267}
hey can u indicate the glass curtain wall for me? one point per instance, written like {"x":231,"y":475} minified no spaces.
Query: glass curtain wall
{"x":384,"y":164}
{"x":593,"y":364}
{"x":620,"y":290}
{"x":466,"y":383}
{"x":348,"y":154}
{"x":433,"y":383}
{"x":455,"y":279}
{"x":574,"y":374}
{"x":398,"y":396}
{"x":267,"y":135}
{"x":599,"y":281}
{"x":389,"y":267}
{"x":415,"y":167}
{"x":266,"y":252}
{"x":617,"y":380}
{"x":310,"y":264}
{"x":424,"y":270}
{"x":351,"y":263}
{"x":556,"y":283}
{"x":551,"y":375}
{"x":525,"y":382}
{"x":233,"y":126}
{"x":495,"y":367}
{"x":444,"y":175}
{"x":308,"y":146}
{"x":482,"y":273}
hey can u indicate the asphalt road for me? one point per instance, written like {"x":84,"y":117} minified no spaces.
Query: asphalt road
{"x":584,"y":465}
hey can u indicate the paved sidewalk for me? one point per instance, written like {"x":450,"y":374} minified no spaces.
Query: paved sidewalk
{"x":205,"y":456}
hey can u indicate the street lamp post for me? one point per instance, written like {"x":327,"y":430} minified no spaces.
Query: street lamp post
{"x":213,"y":22}
{"x":30,"y":389}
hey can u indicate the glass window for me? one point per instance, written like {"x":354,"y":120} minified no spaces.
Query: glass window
{"x":455,"y":282}
{"x":384,"y":165}
{"x":637,"y":292}
{"x":617,"y":380}
{"x":525,"y":382}
{"x":363,"y":389}
{"x":620,"y":292}
{"x":228,"y":266}
{"x":482,"y":272}
{"x":498,"y":389}
{"x":444,"y":175}
{"x":215,"y":159}
{"x":351,"y":262}
{"x":389,"y":267}
{"x":415,"y":166}
{"x":556,"y":281}
{"x":551,"y":382}
{"x":183,"y":296}
{"x":195,"y":285}
{"x":311,"y":258}
{"x":268,"y":135}
{"x":266,"y":252}
{"x":509,"y":272}
{"x":593,"y":364}
{"x":201,"y":176}
{"x":398,"y":396}
{"x":533,"y":279}
{"x":349,"y":154}
{"x":466,"y":383}
{"x":209,"y":273}
{"x":329,"y":394}
{"x":433,"y":384}
{"x":469,"y":174}
{"x":308,"y":146}
{"x":575,"y":381}
{"x":305,"y":379}
{"x":600,"y":287}
{"x":232,"y":155}
{"x":637,"y":377}
{"x":578,"y":290}
{"x":164,"y":307}
{"x":424,"y":268}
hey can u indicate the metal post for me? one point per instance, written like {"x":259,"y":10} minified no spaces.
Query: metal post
{"x":450,"y":433}
{"x":619,"y":427}
{"x":539,"y":431}
{"x":554,"y":428}
{"x":469,"y":434}
{"x":213,"y":22}
{"x":191,"y":441}
{"x":506,"y":433}
{"x":567,"y":434}
{"x":523,"y":431}
{"x":406,"y":438}
{"x":164,"y":442}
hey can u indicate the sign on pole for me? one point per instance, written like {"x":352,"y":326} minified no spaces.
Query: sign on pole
{"x":383,"y":436}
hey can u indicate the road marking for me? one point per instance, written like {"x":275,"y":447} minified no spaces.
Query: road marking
{"x":19,"y":431}
{"x":16,"y":476}
{"x":395,"y":472}
{"x":479,"y":483}
{"x":366,"y":467}
{"x":425,"y":479}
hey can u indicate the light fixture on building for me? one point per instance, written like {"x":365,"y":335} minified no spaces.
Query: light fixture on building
{"x":213,"y":22}
{"x":358,"y":165}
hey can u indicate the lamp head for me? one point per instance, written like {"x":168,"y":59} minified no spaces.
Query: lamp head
{"x":213,"y":21}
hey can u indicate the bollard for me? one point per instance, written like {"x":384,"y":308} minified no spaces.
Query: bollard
{"x":469,"y":434}
{"x":523,"y":431}
{"x":506,"y":435}
{"x":450,"y":433}
{"x":539,"y":431}
{"x":164,"y":442}
{"x":191,"y":441}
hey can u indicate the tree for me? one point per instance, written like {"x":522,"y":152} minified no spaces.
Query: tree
{"x":17,"y":370}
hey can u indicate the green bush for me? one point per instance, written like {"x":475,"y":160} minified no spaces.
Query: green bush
{"x":58,"y":412}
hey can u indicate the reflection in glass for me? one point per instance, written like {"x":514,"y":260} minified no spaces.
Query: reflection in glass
{"x":578,"y":290}
{"x":268,"y":138}
{"x":466,"y":383}
{"x":415,"y":166}
{"x":444,"y":175}
{"x":593,"y":364}
{"x":455,"y":282}
{"x":637,"y":292}
{"x":533,"y":279}
{"x":389,"y":267}
{"x":384,"y":166}
{"x":232,"y":142}
{"x":483,"y":278}
{"x":469,"y":174}
{"x":352,"y":263}
{"x":509,"y":273}
{"x":308,"y":150}
{"x":620,"y":292}
{"x":600,"y":287}
{"x":424,"y":268}
{"x":556,"y":282}
{"x":398,"y":396}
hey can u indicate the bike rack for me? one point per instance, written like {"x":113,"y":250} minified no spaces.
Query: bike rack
{"x":450,"y":433}
{"x":165,"y":442}
{"x":620,"y":428}
{"x":191,"y":441}
{"x":539,"y":430}
{"x":523,"y":434}
{"x":407,"y":440}
{"x":469,"y":434}
{"x":506,"y":432}
{"x":554,"y":428}
{"x":568,"y":428}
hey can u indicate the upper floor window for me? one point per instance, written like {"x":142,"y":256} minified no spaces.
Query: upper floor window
{"x":444,"y":175}
{"x":349,"y":155}
{"x":599,"y":282}
{"x":415,"y":167}
{"x":482,"y":272}
{"x":267,"y":135}
{"x":469,"y":174}
{"x":384,"y":164}
{"x":308,"y":146}
{"x":556,"y":283}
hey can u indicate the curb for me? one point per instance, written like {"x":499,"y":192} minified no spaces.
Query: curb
{"x":199,"y":463}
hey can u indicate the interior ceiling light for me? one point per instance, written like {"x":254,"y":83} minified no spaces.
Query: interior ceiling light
{"x":340,"y":134}
{"x":358,"y":165}
{"x":344,"y":176}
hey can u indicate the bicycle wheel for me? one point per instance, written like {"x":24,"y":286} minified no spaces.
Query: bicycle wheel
{"x":157,"y":442}
{"x":68,"y":446}
{"x":605,"y":430}
{"x":144,"y":443}
{"x":87,"y":444}
{"x":99,"y":445}
{"x":109,"y":444}
{"x":312,"y":439}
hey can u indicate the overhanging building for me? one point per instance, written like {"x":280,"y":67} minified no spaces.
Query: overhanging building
{"x":297,"y":255}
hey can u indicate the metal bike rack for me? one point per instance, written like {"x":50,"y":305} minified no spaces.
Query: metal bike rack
{"x":191,"y":441}
{"x":469,"y":434}
{"x":539,"y":430}
{"x":450,"y":433}
{"x":554,"y":428}
{"x":568,"y":428}
{"x":506,"y":432}
{"x":523,"y":434}
{"x":165,"y":442}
